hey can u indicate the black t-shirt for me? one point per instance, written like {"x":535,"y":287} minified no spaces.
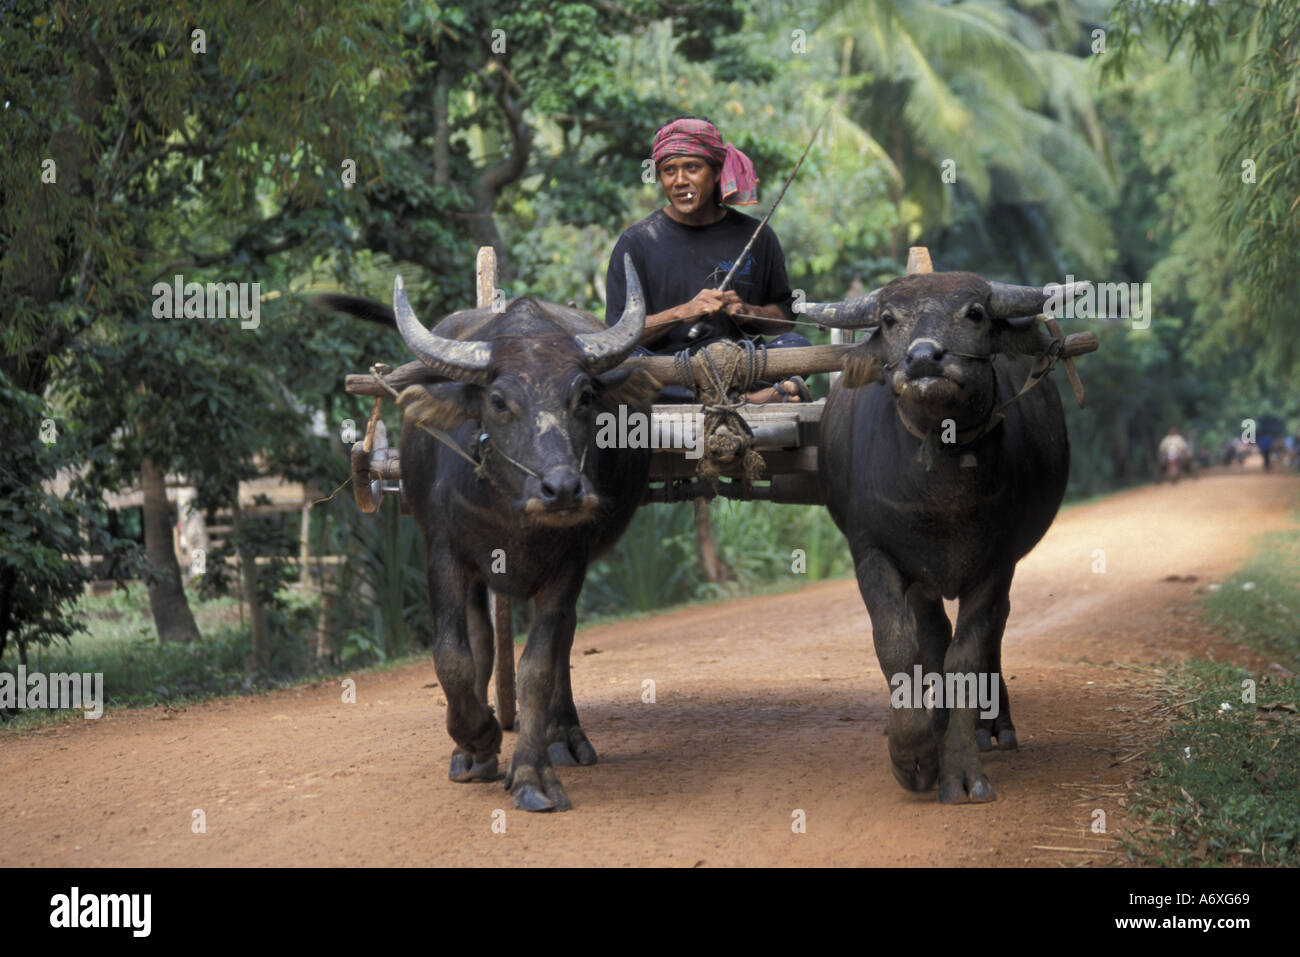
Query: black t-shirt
{"x":676,"y":261}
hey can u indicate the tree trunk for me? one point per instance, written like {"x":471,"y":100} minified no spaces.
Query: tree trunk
{"x":326,"y":586}
{"x":259,"y":655}
{"x":9,"y":580}
{"x":324,"y":637}
{"x":171,"y":611}
{"x":710,"y":562}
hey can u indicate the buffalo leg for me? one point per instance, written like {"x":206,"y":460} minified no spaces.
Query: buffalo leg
{"x":470,"y":721}
{"x":481,"y":644}
{"x":998,"y":728}
{"x":532,"y":780}
{"x":980,"y":621}
{"x":933,"y":635}
{"x":568,"y":744}
{"x":913,"y":745}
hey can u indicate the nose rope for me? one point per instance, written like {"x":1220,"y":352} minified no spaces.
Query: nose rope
{"x":1043,"y":364}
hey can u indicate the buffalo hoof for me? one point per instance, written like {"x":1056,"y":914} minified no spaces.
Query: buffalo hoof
{"x":534,"y":791}
{"x":464,"y":768}
{"x":963,"y":789}
{"x":576,"y":750}
{"x":989,"y":736}
{"x":913,"y":750}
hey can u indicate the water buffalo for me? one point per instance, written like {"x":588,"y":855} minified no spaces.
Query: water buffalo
{"x":538,"y":502}
{"x":940,"y":488}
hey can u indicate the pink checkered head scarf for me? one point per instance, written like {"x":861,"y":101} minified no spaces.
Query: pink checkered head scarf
{"x":737,"y":184}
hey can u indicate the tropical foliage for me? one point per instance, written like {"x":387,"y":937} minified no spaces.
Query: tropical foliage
{"x":319,"y":145}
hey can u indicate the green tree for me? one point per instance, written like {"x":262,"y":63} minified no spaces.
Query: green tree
{"x":1249,"y":49}
{"x":143,"y":143}
{"x":987,"y":112}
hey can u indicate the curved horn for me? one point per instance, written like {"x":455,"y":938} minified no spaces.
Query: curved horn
{"x":460,"y":361}
{"x":605,"y":349}
{"x":849,"y":314}
{"x":1010,"y":300}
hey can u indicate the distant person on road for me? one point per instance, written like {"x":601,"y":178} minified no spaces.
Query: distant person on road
{"x":1243,"y":449}
{"x":1174,"y":454}
{"x":1173,"y":446}
{"x":1265,"y":443}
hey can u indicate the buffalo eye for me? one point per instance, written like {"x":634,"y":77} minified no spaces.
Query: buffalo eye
{"x":586,"y":398}
{"x":887,"y":320}
{"x":977,"y":313}
{"x":499,"y":404}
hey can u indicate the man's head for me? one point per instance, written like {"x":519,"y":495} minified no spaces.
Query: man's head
{"x":697,"y":170}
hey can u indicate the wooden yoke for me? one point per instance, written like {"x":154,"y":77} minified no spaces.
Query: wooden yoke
{"x":499,"y":610}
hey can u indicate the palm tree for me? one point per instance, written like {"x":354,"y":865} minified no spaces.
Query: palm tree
{"x":992,"y":129}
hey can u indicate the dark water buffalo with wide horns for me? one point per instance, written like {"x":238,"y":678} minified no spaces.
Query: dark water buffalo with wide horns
{"x":521,"y":504}
{"x":941,"y":486}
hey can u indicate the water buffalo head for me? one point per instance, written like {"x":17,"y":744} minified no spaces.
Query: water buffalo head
{"x":532,"y":379}
{"x":931,"y":339}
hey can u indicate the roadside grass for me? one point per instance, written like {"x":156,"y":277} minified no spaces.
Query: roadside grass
{"x":121,"y":643}
{"x":1224,"y":783}
{"x":1260,"y":604}
{"x":655,"y":568}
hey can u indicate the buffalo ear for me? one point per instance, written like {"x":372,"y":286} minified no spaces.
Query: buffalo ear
{"x":1021,"y":336}
{"x":863,"y":365}
{"x":444,"y":406}
{"x":634,"y":388}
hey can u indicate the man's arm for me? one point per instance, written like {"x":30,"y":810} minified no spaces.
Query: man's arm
{"x":706,"y":302}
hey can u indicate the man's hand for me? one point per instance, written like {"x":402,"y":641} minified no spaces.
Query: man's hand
{"x":762,"y":320}
{"x":706,"y":302}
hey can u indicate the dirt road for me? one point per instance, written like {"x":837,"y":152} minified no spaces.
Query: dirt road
{"x":763,"y":707}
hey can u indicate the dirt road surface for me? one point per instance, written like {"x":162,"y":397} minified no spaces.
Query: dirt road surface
{"x":763,"y":708}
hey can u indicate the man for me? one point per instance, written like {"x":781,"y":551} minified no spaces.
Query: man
{"x":1174,"y":454}
{"x":1265,"y":443}
{"x":683,"y":251}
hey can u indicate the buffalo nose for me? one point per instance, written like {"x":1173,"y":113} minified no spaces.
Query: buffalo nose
{"x":561,"y":486}
{"x":924,"y":350}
